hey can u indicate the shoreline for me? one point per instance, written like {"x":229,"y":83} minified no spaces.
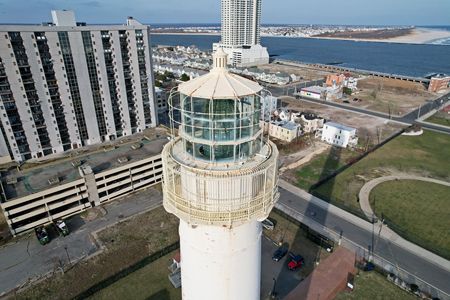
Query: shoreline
{"x":418,"y":36}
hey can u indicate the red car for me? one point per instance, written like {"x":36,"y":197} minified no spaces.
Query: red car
{"x":295,"y":262}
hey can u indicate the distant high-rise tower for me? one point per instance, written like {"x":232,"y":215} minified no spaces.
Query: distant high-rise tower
{"x":241,"y":22}
{"x":220,"y":179}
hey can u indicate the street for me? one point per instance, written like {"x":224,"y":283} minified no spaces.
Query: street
{"x":416,"y":265}
{"x":409,"y":118}
{"x":26,"y":258}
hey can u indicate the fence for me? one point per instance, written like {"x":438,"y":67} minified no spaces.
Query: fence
{"x":400,"y":276}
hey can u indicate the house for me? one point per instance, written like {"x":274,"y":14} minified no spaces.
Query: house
{"x":335,"y":80}
{"x":283,"y":130}
{"x":339,"y":135}
{"x":310,"y":122}
{"x":351,"y":83}
{"x":439,"y":83}
{"x":314,"y":92}
{"x":333,"y":93}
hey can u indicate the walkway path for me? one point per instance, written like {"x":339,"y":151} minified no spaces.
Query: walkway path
{"x":367,"y":188}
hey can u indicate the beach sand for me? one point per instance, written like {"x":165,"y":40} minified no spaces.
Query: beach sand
{"x":416,"y":36}
{"x":422,"y":36}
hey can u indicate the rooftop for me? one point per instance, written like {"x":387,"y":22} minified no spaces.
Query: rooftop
{"x":313,"y":89}
{"x":340,"y":126}
{"x":36,"y":179}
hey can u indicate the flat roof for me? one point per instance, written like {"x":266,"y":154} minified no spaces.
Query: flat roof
{"x":313,"y":89}
{"x":340,"y":126}
{"x":35,"y":179}
{"x":54,"y":28}
{"x":286,"y":124}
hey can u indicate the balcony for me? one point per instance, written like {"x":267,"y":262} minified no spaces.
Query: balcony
{"x":228,"y":195}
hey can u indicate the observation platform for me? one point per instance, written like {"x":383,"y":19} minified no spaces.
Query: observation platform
{"x":220,"y":193}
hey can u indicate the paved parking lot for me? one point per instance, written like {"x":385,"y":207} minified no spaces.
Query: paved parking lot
{"x":286,"y":280}
{"x":26,"y":258}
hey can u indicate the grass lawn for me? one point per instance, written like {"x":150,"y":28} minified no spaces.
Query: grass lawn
{"x":436,"y":119}
{"x":419,"y":211}
{"x":150,"y":282}
{"x":126,"y":243}
{"x":322,"y":166}
{"x":425,"y":155}
{"x":372,"y":285}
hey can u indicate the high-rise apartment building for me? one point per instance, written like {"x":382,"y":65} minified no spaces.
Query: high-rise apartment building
{"x":241,"y":22}
{"x":64,"y":85}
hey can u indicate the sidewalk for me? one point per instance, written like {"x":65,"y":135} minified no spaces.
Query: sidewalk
{"x":385,"y":233}
{"x":367,"y":188}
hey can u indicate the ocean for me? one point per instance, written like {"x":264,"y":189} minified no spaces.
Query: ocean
{"x":394,"y":58}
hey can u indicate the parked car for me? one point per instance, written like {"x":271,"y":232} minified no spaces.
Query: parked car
{"x":268,"y":224}
{"x":62,"y":228}
{"x":280,"y":253}
{"x":321,"y":240}
{"x":369,"y":267}
{"x":296,"y":261}
{"x":42,"y":235}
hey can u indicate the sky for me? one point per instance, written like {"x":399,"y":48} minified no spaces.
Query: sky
{"x":350,"y":12}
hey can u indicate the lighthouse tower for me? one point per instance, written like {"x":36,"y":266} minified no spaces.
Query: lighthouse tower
{"x":220,"y":179}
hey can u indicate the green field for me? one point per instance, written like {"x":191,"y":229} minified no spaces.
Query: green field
{"x":150,"y":282}
{"x":418,"y":210}
{"x":373,"y":286}
{"x":438,"y":119}
{"x":425,"y":155}
{"x":322,"y":166}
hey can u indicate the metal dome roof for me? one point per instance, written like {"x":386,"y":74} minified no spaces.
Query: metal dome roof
{"x":219,"y":83}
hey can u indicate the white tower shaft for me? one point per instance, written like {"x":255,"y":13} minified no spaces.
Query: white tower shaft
{"x":223,"y":263}
{"x":220,"y":179}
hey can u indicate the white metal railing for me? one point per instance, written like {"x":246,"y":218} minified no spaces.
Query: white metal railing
{"x":220,"y":197}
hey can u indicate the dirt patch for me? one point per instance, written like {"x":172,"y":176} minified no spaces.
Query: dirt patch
{"x":300,"y":158}
{"x":390,"y":96}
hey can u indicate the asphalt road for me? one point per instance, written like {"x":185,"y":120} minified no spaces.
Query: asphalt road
{"x":422,"y":268}
{"x":409,"y":118}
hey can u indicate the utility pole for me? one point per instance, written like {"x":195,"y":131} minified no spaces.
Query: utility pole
{"x":273,"y":294}
{"x":67,"y":253}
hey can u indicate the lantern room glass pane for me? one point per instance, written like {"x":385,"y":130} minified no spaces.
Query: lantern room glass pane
{"x":221,"y":121}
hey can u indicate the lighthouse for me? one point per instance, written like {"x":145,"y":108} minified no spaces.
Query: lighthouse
{"x":220,"y":180}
